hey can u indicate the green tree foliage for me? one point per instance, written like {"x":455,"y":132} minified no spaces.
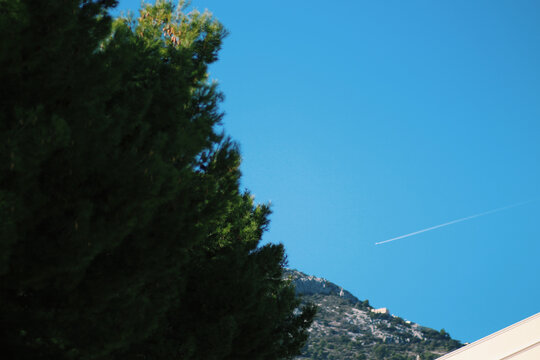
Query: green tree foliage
{"x":381,"y":351}
{"x":428,"y":356}
{"x":123,"y":230}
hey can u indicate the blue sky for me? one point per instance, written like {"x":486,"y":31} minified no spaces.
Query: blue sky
{"x":365,"y":120}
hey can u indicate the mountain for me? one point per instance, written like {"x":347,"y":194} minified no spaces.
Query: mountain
{"x":347,"y":328}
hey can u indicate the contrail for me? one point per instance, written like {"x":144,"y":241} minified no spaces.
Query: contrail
{"x":453,"y":222}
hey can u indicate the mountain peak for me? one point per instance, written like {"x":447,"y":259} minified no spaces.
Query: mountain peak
{"x":347,"y":328}
{"x":311,"y":285}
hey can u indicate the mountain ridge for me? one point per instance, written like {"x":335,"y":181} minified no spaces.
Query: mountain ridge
{"x":347,"y":328}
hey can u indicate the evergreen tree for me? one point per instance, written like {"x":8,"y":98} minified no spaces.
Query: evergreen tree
{"x":123,"y":232}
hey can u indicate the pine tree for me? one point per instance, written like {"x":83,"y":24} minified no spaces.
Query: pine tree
{"x":123,"y":230}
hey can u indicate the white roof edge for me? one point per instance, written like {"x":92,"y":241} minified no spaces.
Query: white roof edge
{"x":489,"y":337}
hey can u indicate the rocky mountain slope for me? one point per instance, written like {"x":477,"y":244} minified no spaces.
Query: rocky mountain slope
{"x":347,"y":328}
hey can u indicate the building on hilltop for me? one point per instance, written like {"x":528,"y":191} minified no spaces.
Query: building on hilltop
{"x":381,"y":311}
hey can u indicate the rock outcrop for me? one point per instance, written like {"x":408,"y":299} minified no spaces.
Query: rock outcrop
{"x":311,"y":285}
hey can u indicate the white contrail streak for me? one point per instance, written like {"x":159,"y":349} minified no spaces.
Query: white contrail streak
{"x":453,"y":222}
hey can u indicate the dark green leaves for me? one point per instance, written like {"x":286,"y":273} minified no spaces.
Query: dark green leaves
{"x":123,"y":230}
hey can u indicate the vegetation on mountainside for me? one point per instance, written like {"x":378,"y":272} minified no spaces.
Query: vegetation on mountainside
{"x":345,"y":328}
{"x":123,"y":230}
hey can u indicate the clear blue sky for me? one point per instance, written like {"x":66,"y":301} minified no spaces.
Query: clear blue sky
{"x":366,"y":120}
